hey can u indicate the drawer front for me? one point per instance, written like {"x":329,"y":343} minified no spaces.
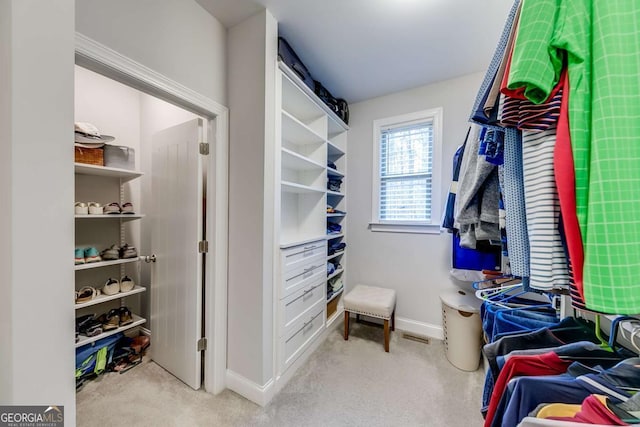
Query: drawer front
{"x":300,"y":255}
{"x":304,"y":275}
{"x":308,"y":328}
{"x":298,"y":304}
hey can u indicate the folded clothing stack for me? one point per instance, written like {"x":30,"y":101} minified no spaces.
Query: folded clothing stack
{"x":333,"y":228}
{"x":336,"y":247}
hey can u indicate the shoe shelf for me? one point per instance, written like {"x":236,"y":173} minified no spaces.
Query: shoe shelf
{"x":334,"y":215}
{"x":293,"y":160}
{"x":110,"y":216}
{"x":124,"y":174}
{"x":104,"y":298}
{"x":334,"y":236}
{"x":335,"y":193}
{"x":335,"y":273}
{"x":99,"y":264}
{"x":137,"y":321}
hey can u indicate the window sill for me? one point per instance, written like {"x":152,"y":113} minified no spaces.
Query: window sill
{"x":405,"y":228}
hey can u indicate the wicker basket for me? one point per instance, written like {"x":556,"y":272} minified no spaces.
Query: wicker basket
{"x":92,"y":156}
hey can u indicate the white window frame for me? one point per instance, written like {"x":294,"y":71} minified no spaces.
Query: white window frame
{"x":426,"y":227}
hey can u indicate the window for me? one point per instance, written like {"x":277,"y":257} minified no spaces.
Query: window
{"x":406,"y":173}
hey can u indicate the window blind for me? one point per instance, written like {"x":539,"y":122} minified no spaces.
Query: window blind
{"x":406,"y":169}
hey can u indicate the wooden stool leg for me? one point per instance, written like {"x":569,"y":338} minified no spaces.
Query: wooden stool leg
{"x":386,"y":335}
{"x":346,"y":325}
{"x":393,"y":320}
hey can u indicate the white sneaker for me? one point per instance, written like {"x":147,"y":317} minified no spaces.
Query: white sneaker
{"x":95,"y":208}
{"x":81,"y":208}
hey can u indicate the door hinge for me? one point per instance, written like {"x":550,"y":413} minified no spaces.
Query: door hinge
{"x":203,"y":246}
{"x":202,"y":344}
{"x":204,"y":148}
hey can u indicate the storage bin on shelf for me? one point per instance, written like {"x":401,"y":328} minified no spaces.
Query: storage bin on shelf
{"x":462,"y":329}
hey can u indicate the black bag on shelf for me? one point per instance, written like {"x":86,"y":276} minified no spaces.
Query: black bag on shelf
{"x":343,"y":110}
{"x":325,"y":96}
{"x":289,"y":57}
{"x":337,"y":105}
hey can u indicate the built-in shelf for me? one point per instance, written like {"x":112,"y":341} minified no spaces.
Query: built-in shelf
{"x":293,"y":160}
{"x":334,"y":173}
{"x":334,"y":236}
{"x":333,"y":151}
{"x":289,"y":244}
{"x":99,"y":264}
{"x":333,"y":215}
{"x":125,"y":217}
{"x":124,"y":174}
{"x":335,"y":273}
{"x":104,"y":298}
{"x":335,"y":255}
{"x":335,"y":295}
{"x":335,"y":193}
{"x":307,"y":108}
{"x":292,"y":187}
{"x":294,"y":130}
{"x":137,"y":321}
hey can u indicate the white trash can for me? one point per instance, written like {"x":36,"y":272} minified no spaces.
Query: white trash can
{"x":462,"y":328}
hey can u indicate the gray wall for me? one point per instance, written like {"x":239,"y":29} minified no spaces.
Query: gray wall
{"x":416,"y":265}
{"x":36,"y":134}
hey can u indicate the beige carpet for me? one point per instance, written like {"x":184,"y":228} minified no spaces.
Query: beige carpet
{"x":344,"y":383}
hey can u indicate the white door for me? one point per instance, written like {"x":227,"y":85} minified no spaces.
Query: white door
{"x":177,"y":274}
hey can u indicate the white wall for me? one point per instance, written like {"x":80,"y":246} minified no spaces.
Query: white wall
{"x":36,"y":82}
{"x":251,"y":212}
{"x":416,"y":265}
{"x":176,"y":38}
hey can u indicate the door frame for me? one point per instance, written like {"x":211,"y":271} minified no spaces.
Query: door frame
{"x":103,"y":60}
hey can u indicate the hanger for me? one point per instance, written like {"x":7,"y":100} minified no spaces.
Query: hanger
{"x":604,"y":344}
{"x":496,"y":282}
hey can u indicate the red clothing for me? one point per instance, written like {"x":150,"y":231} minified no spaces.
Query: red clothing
{"x":566,"y":183}
{"x":594,"y":411}
{"x":531,"y":365}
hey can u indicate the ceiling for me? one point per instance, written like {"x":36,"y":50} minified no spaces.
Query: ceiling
{"x":362,"y":49}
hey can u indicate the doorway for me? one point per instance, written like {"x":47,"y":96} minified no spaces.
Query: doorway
{"x":92,"y":57}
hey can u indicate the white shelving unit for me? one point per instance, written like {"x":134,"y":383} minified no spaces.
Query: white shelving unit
{"x":311,"y":137}
{"x":107,"y":226}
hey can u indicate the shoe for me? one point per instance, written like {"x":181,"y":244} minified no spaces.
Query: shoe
{"x":126,"y":284}
{"x":81,"y":208}
{"x":112,"y":209}
{"x":140,"y":343}
{"x":111,"y":253}
{"x":111,"y":287}
{"x":91,"y":255}
{"x":128,"y":251}
{"x":126,"y":317}
{"x":127,"y":208}
{"x":95,"y":208}
{"x":79,"y":256}
{"x":85,"y":294}
{"x":110,"y":320}
{"x":87,"y":325}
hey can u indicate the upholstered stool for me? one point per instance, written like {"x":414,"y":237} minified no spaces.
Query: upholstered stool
{"x":374,"y":302}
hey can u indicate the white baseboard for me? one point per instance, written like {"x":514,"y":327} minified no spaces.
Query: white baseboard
{"x":420,"y":328}
{"x":260,"y":394}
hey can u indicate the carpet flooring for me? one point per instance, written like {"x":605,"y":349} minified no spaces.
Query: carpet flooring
{"x":344,"y":383}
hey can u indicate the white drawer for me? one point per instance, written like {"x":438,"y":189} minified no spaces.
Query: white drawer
{"x":304,"y":275}
{"x":308,"y":328}
{"x":299,"y":255}
{"x":297,"y":304}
